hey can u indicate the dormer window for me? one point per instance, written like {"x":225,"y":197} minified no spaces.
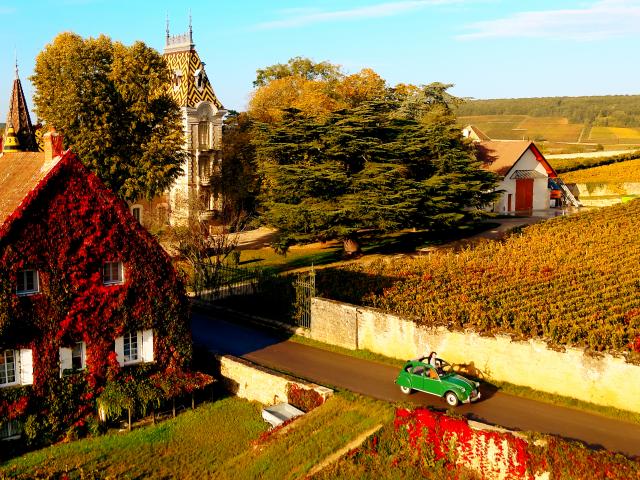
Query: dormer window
{"x":199,"y":78}
{"x":176,"y":79}
{"x":112,"y":273}
{"x":28,"y":282}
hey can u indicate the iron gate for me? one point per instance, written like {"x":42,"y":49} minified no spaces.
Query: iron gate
{"x":305,"y":289}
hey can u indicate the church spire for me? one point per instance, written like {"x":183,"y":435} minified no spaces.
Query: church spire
{"x":18,"y":117}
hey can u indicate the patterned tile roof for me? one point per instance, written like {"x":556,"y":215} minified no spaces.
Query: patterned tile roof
{"x":191,"y":84}
{"x":19,"y":118}
{"x":20,"y":173}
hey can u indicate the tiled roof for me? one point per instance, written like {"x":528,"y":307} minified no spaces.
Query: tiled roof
{"x":20,"y":173}
{"x":499,"y":155}
{"x":18,"y":117}
{"x":476,"y":134}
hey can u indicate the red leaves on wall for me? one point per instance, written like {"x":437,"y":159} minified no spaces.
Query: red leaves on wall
{"x":67,"y":228}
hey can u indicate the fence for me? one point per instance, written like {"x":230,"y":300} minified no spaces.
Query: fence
{"x":214,"y":282}
{"x":291,"y":293}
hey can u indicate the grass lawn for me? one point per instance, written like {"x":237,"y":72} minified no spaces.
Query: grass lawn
{"x":301,"y":256}
{"x":217,"y":440}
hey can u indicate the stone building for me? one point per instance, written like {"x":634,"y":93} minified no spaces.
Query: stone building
{"x":196,"y":192}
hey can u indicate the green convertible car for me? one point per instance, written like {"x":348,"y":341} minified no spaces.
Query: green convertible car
{"x":438,"y":380}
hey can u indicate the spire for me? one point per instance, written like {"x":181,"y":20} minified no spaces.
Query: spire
{"x":11,"y":142}
{"x":167,"y":41}
{"x":18,"y":118}
{"x":190,"y":29}
{"x":16,"y":54}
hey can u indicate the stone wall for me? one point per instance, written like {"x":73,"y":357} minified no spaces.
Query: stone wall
{"x":253,"y":382}
{"x":604,"y":380}
{"x":605,"y":194}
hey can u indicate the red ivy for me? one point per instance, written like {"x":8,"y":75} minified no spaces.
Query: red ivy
{"x":66,"y":228}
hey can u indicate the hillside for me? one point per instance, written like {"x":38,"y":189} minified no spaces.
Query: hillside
{"x":621,"y":172}
{"x":571,"y":281}
{"x":597,"y":111}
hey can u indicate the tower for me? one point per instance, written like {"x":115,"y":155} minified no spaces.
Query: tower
{"x":197,"y":191}
{"x":19,"y":132}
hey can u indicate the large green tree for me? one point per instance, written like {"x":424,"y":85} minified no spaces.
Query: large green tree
{"x":386,"y":164}
{"x":112,"y":105}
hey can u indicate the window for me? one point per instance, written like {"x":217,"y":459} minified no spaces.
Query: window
{"x":8,"y":370}
{"x":131,"y":347}
{"x":77,"y":356}
{"x":135,"y":347}
{"x":112,"y":273}
{"x":136,"y":211}
{"x":10,"y":430}
{"x":203,"y":135}
{"x":28,"y":282}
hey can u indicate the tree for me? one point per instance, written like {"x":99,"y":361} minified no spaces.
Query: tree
{"x":298,"y":67}
{"x":369,"y":167}
{"x":240,"y":182}
{"x":111,"y":102}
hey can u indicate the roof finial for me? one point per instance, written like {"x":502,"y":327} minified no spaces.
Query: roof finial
{"x":190,"y":29}
{"x":16,"y":54}
{"x":167,"y":28}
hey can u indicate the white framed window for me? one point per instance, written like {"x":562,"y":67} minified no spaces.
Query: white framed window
{"x":136,"y":211}
{"x":135,"y":347}
{"x":112,"y":273}
{"x":10,"y":430}
{"x":73,"y":359}
{"x":8,"y":368}
{"x":16,"y":367}
{"x":28,"y":282}
{"x":130,"y":346}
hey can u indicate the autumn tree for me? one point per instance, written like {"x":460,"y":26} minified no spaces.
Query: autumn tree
{"x":315,"y":89}
{"x":111,"y":103}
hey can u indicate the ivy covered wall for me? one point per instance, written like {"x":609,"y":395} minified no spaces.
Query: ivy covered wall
{"x":66,"y":229}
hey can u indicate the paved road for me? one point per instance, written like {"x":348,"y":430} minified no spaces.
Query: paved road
{"x":376,"y":380}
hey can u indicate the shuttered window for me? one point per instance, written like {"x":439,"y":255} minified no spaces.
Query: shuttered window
{"x":8,"y":370}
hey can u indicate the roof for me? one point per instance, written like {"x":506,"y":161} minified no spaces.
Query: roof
{"x":20,"y":174}
{"x":499,"y":156}
{"x":475,"y":134}
{"x":522,"y":174}
{"x":191,"y":84}
{"x":18,"y":117}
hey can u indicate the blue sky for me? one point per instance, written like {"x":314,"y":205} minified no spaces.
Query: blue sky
{"x":487,"y":48}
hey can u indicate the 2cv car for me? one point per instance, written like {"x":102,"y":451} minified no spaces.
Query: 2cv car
{"x":438,"y":379}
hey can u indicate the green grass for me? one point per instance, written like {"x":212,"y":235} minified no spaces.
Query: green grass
{"x":505,"y":387}
{"x":217,"y":440}
{"x":320,"y":433}
{"x":193,"y":445}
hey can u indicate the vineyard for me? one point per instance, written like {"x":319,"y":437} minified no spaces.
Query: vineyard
{"x":570,"y":281}
{"x":622,"y":172}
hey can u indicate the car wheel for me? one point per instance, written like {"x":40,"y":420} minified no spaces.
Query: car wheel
{"x":405,"y":390}
{"x":451,"y":399}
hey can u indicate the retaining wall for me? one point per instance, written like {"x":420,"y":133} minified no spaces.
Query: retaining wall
{"x":604,"y":380}
{"x":253,"y":382}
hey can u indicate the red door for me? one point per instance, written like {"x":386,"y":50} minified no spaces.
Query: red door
{"x":524,"y":194}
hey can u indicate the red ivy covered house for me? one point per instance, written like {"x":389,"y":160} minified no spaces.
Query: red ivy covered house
{"x":87,"y":296}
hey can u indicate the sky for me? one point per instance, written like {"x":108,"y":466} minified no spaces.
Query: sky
{"x":486,"y":48}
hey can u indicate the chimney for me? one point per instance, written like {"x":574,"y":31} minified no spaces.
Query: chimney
{"x":52,"y":145}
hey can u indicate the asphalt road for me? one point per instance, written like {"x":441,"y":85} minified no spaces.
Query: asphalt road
{"x":377,"y":380}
